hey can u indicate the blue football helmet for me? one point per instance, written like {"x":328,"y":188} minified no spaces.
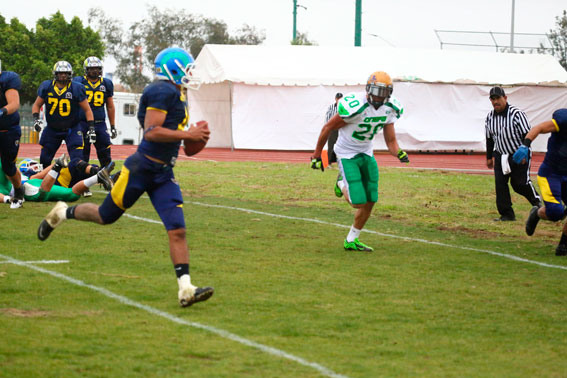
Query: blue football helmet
{"x":62,"y":71}
{"x":176,"y":65}
{"x":29,"y":167}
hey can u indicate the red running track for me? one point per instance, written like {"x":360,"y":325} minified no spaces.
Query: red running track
{"x":474,"y":163}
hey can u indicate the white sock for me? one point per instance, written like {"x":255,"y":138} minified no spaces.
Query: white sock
{"x":53,"y":174}
{"x":91,"y":181}
{"x":184,"y":281}
{"x":354,"y":233}
{"x":7,"y":199}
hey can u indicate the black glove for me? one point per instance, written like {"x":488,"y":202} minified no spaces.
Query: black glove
{"x":91,"y":134}
{"x":317,"y":163}
{"x":3,"y":112}
{"x":403,"y":156}
{"x":37,"y":123}
{"x":113,"y":132}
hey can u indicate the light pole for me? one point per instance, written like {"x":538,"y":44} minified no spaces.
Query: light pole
{"x":512,"y":31}
{"x":357,"y":22}
{"x":295,"y":5}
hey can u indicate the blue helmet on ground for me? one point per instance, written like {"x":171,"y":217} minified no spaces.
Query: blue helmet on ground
{"x":29,"y":167}
{"x":176,"y":65}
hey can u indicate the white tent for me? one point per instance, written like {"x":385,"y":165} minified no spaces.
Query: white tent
{"x":263,"y":97}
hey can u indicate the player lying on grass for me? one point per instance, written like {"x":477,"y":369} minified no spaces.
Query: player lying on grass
{"x":42,"y":187}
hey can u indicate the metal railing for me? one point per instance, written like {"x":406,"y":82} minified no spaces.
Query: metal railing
{"x":546,"y":45}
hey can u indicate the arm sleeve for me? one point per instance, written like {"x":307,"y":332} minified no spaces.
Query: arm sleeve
{"x":522,"y":123}
{"x":560,"y":119}
{"x":41,"y":91}
{"x":109,"y":88}
{"x":80,"y":92}
{"x":489,"y":147}
{"x":14,"y":83}
{"x":486,"y":129}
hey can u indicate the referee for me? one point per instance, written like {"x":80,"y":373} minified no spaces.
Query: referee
{"x":506,"y":128}
{"x":331,"y":111}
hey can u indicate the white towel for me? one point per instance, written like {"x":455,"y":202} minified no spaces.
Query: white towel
{"x":505,"y":165}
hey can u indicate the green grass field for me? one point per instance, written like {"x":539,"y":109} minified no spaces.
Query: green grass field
{"x":442,"y":295}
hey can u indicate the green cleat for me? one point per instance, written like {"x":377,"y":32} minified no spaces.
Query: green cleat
{"x":357,"y":245}
{"x":338,"y":191}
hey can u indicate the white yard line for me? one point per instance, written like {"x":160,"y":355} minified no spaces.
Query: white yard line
{"x":40,"y":262}
{"x":312,"y":220}
{"x":154,"y":311}
{"x":228,"y":335}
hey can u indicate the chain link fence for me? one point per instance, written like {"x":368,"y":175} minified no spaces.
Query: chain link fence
{"x":29,"y":135}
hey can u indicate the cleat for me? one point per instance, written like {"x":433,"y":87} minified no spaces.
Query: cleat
{"x":16,"y":203}
{"x":338,"y":191}
{"x":561,"y":250}
{"x":103,"y":176}
{"x":357,"y":245}
{"x":193,"y":295}
{"x":17,"y":200}
{"x":505,"y":219}
{"x":61,"y":162}
{"x":115,"y":176}
{"x":189,"y":294}
{"x":531,"y":222}
{"x":52,"y":220}
{"x":88,"y":193}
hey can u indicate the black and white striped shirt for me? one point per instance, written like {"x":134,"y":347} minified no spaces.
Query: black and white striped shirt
{"x":331,"y":111}
{"x":507,"y":129}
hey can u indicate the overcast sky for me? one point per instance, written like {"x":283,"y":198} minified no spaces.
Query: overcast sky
{"x":398,"y":23}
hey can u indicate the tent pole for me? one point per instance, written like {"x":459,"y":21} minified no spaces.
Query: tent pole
{"x":230,"y":89}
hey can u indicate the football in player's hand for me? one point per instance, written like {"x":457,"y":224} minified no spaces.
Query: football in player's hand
{"x":191,"y":147}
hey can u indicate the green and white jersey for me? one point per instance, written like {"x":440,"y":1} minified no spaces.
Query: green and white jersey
{"x":362,"y":123}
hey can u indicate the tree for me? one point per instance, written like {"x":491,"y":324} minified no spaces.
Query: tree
{"x":136,"y":49}
{"x":248,"y":35}
{"x":302,"y":39}
{"x":558,"y":38}
{"x":18,"y":54}
{"x":32,"y":54}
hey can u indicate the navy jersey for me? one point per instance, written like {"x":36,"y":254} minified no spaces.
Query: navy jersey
{"x":9,"y":80}
{"x":61,"y":105}
{"x":165,"y":97}
{"x":556,"y":156}
{"x":97,"y":95}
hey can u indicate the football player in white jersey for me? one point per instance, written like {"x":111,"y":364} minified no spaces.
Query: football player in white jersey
{"x":360,"y":116}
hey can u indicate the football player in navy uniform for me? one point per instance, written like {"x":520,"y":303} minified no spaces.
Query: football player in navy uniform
{"x":62,"y":98}
{"x":10,"y":132}
{"x":163,"y":116}
{"x":99,"y":92}
{"x":551,"y":176}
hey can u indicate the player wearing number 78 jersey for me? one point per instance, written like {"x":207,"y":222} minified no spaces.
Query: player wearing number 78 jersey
{"x":360,"y":116}
{"x":100,"y":92}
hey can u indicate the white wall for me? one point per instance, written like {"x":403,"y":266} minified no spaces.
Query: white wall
{"x":212,"y":103}
{"x":436,"y":116}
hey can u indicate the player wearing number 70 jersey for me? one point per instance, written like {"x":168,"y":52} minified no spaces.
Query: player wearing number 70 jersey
{"x":360,"y":116}
{"x":63,"y":99}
